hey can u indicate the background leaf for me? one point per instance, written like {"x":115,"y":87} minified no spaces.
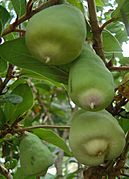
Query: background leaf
{"x":2,"y":118}
{"x":124,"y":124}
{"x":13,"y":111}
{"x":3,"y":65}
{"x":99,"y":3}
{"x":122,"y":13}
{"x":77,"y":3}
{"x":19,"y":6}
{"x":4,"y":17}
{"x":110,"y":43}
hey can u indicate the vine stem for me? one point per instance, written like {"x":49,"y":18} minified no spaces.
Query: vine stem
{"x":96,"y":30}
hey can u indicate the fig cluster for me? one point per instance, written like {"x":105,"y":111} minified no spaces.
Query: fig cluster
{"x":56,"y":36}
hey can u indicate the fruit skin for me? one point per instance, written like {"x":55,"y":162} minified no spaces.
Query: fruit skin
{"x":91,"y":84}
{"x":56,"y":35}
{"x":95,"y":137}
{"x":35,"y":157}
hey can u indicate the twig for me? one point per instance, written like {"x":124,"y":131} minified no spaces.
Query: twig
{"x":122,"y":159}
{"x":5,"y":172}
{"x":41,"y":126}
{"x":120,"y":68}
{"x":27,"y":16}
{"x":107,"y":23}
{"x":7,"y":79}
{"x":125,"y":175}
{"x":29,"y":7}
{"x":97,"y":39}
{"x":12,"y":130}
{"x":117,"y":108}
{"x":19,"y":30}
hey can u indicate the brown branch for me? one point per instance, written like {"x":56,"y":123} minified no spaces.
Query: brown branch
{"x":125,"y":175}
{"x":97,"y":39}
{"x":13,"y":130}
{"x":5,"y":172}
{"x":19,"y":30}
{"x":27,"y":16}
{"x":120,"y":68}
{"x":107,"y":23}
{"x":29,"y":6}
{"x":117,"y":108}
{"x":9,"y":75}
{"x":122,"y":159}
{"x":41,"y":126}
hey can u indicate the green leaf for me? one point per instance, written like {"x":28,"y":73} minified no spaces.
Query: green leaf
{"x":110,"y":42}
{"x":4,"y":16}
{"x":12,"y":111}
{"x":19,"y":6}
{"x":51,"y":137}
{"x":17,"y":53}
{"x":122,"y":13}
{"x":2,"y":118}
{"x":124,"y":123}
{"x":124,"y":61}
{"x":3,"y":65}
{"x":99,"y":3}
{"x":118,"y":29}
{"x":77,"y":3}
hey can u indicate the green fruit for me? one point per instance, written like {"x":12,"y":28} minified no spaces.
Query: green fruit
{"x":56,"y":35}
{"x":95,"y":137}
{"x":91,"y":84}
{"x":35,"y":157}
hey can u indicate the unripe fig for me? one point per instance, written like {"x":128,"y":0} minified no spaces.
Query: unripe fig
{"x":95,"y":137}
{"x":56,"y":35}
{"x":35,"y":157}
{"x":91,"y":84}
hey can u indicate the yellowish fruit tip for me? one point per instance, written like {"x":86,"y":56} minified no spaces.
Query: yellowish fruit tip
{"x":100,"y":153}
{"x":92,"y":105}
{"x":47,"y":60}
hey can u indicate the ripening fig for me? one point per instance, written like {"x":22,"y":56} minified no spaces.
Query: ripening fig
{"x":56,"y":35}
{"x":91,"y":84}
{"x":35,"y":157}
{"x":95,"y":137}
